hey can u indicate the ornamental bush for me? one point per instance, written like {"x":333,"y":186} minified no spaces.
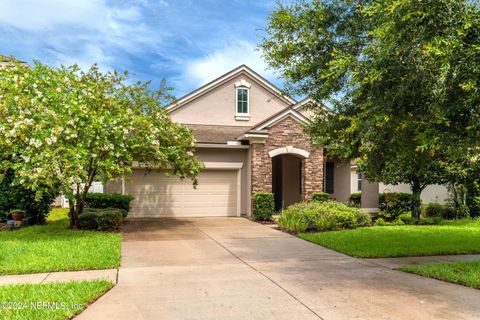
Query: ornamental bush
{"x":264,"y":206}
{"x":440,"y":210}
{"x":18,"y":197}
{"x":321,"y":197}
{"x":355,"y":199}
{"x":102,"y":219}
{"x":319,"y":216}
{"x":395,"y":203}
{"x":108,"y":200}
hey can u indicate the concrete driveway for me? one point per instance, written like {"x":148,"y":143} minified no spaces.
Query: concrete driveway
{"x":232,"y":268}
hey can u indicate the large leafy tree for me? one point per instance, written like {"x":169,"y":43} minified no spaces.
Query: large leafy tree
{"x":401,"y":76}
{"x":64,"y":128}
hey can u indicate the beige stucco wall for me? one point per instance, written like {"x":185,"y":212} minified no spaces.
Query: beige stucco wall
{"x":341,"y":182}
{"x":432,"y":193}
{"x":218,"y":107}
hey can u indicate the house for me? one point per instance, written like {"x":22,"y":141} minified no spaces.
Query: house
{"x":250,"y":137}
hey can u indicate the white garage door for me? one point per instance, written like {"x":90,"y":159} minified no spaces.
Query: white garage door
{"x":157,"y":195}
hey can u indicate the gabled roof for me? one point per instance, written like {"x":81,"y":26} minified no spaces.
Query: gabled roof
{"x":279,"y":116}
{"x":226,"y":77}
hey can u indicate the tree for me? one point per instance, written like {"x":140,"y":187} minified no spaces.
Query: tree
{"x":401,"y":77}
{"x":64,"y":127}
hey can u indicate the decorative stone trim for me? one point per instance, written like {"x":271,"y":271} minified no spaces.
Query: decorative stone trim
{"x":242,"y":83}
{"x":289,"y":150}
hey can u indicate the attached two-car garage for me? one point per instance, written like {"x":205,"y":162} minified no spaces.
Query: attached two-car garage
{"x":156,"y":195}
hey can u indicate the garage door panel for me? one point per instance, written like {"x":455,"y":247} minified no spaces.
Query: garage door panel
{"x":178,"y":200}
{"x":157,"y":195}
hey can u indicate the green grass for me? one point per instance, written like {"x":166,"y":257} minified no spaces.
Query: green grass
{"x":54,"y":247}
{"x":452,"y":237}
{"x":64,"y":300}
{"x":466,"y":273}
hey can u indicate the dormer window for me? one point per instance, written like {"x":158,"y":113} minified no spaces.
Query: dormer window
{"x":243,"y":100}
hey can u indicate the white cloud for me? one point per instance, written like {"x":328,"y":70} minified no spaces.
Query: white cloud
{"x":200,"y":71}
{"x":39,"y":15}
{"x":82,"y":32}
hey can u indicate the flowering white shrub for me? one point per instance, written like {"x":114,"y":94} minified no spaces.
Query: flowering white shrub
{"x":64,"y":128}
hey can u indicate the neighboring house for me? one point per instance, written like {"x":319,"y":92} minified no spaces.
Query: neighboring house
{"x":250,"y":137}
{"x":62,"y":201}
{"x":4,"y":60}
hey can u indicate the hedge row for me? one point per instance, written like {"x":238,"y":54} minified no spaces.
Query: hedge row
{"x":318,"y":216}
{"x":105,"y":211}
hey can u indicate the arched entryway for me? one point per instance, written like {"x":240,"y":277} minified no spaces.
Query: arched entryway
{"x":287,"y":180}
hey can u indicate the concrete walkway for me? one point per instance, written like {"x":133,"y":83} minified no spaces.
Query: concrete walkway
{"x":110,"y":274}
{"x":395,"y":263}
{"x":232,"y":268}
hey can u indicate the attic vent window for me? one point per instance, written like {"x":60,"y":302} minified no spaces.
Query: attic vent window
{"x":242,"y":101}
{"x":243,"y":97}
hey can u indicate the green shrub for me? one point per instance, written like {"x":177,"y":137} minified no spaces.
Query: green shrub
{"x":325,"y":222}
{"x":395,"y":203}
{"x":355,"y":199}
{"x":380,"y":222}
{"x":462,"y":212}
{"x":295,"y":218}
{"x":406,"y":218}
{"x":440,"y":210}
{"x":108,"y":200}
{"x":321,"y":197}
{"x":431,"y":221}
{"x":94,"y":210}
{"x":319,"y":216}
{"x":399,"y":222}
{"x":18,"y":197}
{"x":364,"y":219}
{"x":264,"y":206}
{"x":102,"y":219}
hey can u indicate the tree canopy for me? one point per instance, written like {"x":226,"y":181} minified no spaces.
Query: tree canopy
{"x":64,"y":128}
{"x":401,"y":77}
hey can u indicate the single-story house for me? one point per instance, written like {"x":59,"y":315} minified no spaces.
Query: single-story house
{"x":250,"y":137}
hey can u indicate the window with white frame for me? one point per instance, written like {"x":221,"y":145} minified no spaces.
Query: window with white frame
{"x":359,"y":181}
{"x":242,"y":100}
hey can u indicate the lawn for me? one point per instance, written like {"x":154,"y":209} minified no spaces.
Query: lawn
{"x":452,"y":237}
{"x":55,"y":300}
{"x":54,"y":247}
{"x":466,"y":273}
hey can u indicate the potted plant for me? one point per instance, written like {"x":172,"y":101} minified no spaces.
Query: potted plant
{"x":10,"y":222}
{"x":17,"y":214}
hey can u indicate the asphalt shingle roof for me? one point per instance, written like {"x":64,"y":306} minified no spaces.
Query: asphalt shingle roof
{"x":216,"y":133}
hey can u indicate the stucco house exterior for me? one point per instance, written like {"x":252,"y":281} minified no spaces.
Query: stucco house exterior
{"x":250,"y":137}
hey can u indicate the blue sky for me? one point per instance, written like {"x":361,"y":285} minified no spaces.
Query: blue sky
{"x":186,"y":42}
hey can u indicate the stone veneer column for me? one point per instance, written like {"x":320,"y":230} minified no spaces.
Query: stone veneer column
{"x":313,"y":173}
{"x":261,"y":169}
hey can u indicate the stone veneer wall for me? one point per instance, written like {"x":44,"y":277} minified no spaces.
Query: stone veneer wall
{"x":288,"y":132}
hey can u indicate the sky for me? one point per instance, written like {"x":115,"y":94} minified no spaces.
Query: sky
{"x":188,"y":43}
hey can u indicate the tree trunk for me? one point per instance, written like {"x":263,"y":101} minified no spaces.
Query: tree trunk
{"x":71,"y":214}
{"x":416,"y":200}
{"x":74,"y":223}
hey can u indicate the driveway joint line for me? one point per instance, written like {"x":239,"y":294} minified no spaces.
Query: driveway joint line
{"x":261,"y":273}
{"x":48,"y":274}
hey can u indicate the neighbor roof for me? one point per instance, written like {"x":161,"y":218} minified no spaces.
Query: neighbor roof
{"x":9,"y":59}
{"x":215,"y":133}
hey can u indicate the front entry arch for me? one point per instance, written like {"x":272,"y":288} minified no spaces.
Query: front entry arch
{"x":287,"y":180}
